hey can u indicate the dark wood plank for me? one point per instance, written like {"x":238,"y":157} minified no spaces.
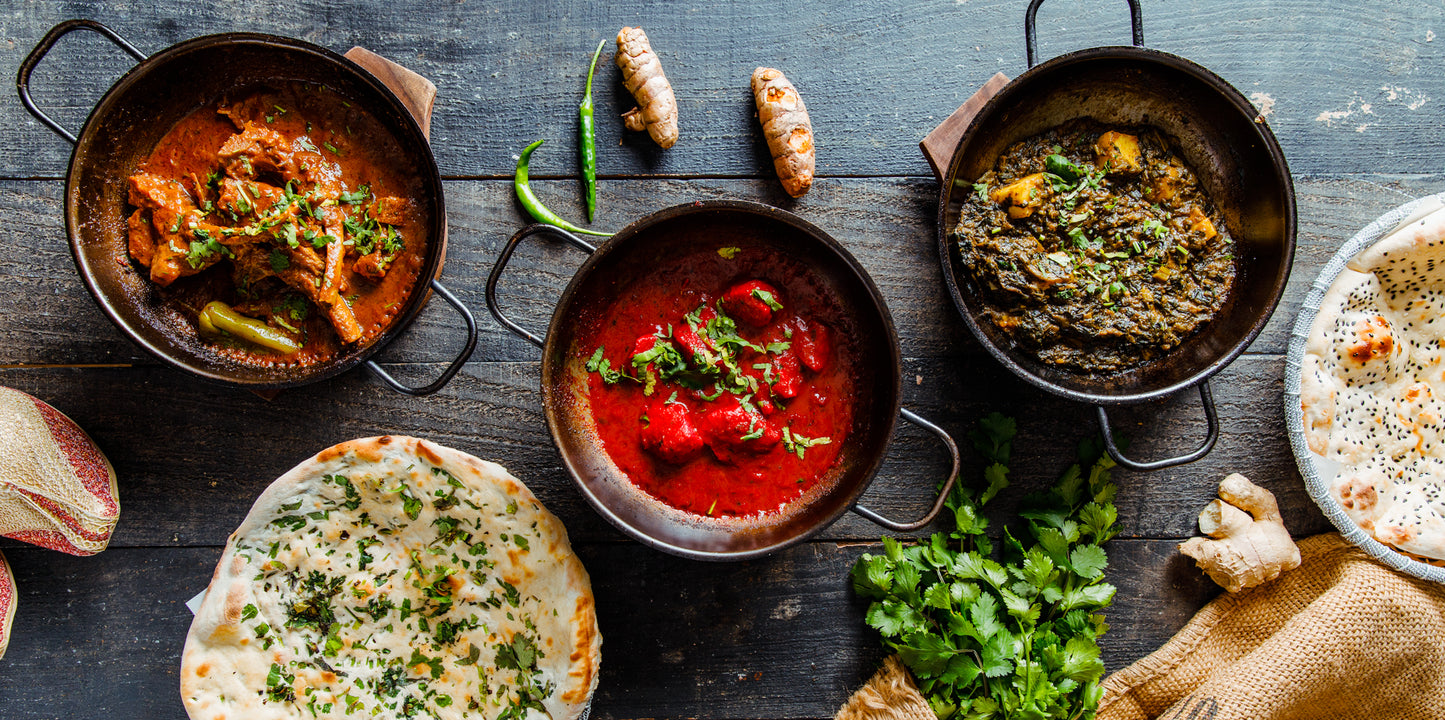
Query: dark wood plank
{"x":1344,"y":82}
{"x":886,"y":223}
{"x":192,"y":457}
{"x":781,"y":637}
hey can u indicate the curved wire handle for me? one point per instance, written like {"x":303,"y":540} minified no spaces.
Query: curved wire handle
{"x":897,"y":526}
{"x":455,"y":365}
{"x":1210,"y":415}
{"x":1136,"y":21}
{"x":22,"y":79}
{"x":502,"y":265}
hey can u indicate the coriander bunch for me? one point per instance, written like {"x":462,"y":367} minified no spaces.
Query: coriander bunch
{"x":1010,"y":638}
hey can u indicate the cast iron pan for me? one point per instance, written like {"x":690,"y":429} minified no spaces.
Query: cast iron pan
{"x":1218,"y":133}
{"x":665,"y":237}
{"x":133,"y":116}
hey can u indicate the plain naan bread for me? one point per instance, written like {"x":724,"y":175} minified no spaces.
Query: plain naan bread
{"x":1373,"y":387}
{"x":393,"y":578}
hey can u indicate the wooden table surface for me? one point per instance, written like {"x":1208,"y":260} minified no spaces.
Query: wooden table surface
{"x":1353,"y":92}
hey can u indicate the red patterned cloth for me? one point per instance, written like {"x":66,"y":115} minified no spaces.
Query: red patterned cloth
{"x":56,"y":488}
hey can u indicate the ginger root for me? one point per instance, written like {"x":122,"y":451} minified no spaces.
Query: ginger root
{"x":1246,"y":551}
{"x":643,"y":77}
{"x":787,"y":127}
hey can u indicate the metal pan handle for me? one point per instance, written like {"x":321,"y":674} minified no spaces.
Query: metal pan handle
{"x":948,"y":442}
{"x":455,"y":365}
{"x":502,"y":265}
{"x":1210,"y":415}
{"x":1136,"y":21}
{"x":22,"y":80}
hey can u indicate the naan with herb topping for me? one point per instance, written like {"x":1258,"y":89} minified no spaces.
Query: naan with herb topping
{"x":390,"y":577}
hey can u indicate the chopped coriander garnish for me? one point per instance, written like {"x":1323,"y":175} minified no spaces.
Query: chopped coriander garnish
{"x":767,"y":299}
{"x":279,"y":261}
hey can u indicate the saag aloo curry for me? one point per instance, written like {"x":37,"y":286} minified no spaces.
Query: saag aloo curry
{"x":1095,"y":246}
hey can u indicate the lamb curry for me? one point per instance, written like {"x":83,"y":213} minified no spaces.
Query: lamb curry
{"x":281,"y":224}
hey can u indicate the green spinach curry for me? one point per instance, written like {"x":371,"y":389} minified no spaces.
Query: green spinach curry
{"x":1095,"y":247}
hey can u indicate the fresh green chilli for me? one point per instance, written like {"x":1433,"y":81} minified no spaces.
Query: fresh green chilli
{"x":587,"y":137}
{"x":532,"y":205}
{"x":217,"y":317}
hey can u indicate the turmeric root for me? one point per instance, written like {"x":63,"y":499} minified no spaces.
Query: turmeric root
{"x":642,"y":75}
{"x":787,"y":128}
{"x":1246,"y":551}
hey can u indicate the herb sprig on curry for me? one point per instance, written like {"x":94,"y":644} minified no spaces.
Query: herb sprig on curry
{"x":1096,"y":247}
{"x":279,"y":224}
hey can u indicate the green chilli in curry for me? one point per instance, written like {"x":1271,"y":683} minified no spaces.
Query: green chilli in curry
{"x":1095,"y":247}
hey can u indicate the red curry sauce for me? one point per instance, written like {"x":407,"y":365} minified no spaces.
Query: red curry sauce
{"x":722,"y":384}
{"x":289,"y":204}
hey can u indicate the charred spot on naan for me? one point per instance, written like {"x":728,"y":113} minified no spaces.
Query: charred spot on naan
{"x":1358,"y":494}
{"x":1375,"y":339}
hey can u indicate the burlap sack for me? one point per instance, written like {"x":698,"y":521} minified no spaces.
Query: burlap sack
{"x":889,"y":695}
{"x":1339,"y":637}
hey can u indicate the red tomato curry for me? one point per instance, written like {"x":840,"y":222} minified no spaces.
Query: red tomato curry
{"x":722,"y":384}
{"x":290,"y":207}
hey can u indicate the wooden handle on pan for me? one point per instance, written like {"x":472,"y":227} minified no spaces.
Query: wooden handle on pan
{"x":416,"y":92}
{"x":938,"y":147}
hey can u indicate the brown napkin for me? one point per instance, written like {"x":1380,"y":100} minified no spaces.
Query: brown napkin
{"x":1339,"y":637}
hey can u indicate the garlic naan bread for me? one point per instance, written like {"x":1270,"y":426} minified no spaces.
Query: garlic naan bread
{"x":393,"y":578}
{"x":1372,"y":387}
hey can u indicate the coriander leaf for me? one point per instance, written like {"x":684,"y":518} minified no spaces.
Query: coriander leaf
{"x":960,"y":626}
{"x":1081,"y":660}
{"x":1015,"y":604}
{"x":968,"y":521}
{"x":926,"y":654}
{"x":892,"y":618}
{"x":938,"y":596}
{"x":1038,"y":569}
{"x":905,"y":581}
{"x":767,"y":298}
{"x":410,"y":505}
{"x":1050,"y":517}
{"x":1098,"y":520}
{"x":1070,"y":487}
{"x":1089,"y":561}
{"x":872,"y":576}
{"x":958,"y":616}
{"x":961,"y":670}
{"x":1097,"y":596}
{"x":997,"y":476}
{"x":893,"y":549}
{"x":997,"y":655}
{"x":1055,"y":544}
{"x":984,"y":615}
